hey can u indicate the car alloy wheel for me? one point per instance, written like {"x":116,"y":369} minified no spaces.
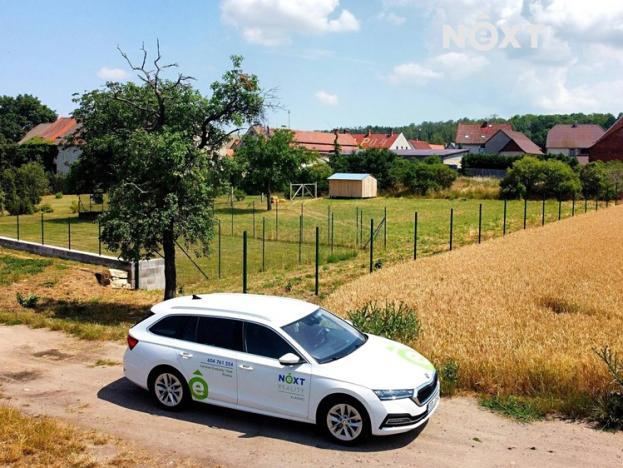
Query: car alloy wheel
{"x":344,"y":422}
{"x":169,"y":390}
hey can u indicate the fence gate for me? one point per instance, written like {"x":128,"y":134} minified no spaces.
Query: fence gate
{"x":303,"y":189}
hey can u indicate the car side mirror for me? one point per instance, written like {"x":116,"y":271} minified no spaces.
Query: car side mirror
{"x":289,"y":359}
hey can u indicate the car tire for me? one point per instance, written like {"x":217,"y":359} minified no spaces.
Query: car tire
{"x":344,"y":420}
{"x":169,"y":389}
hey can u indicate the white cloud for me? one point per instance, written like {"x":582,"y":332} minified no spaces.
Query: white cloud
{"x":273,"y":22}
{"x":412,"y":73}
{"x":112,"y":74}
{"x":325,"y":98}
{"x":450,"y":65}
{"x":392,"y":18}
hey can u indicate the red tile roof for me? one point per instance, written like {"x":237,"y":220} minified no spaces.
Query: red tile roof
{"x":375,"y":140}
{"x":477,"y":134}
{"x":421,"y":144}
{"x":524,"y":143}
{"x":55,"y":132}
{"x":573,"y":136}
{"x":322,"y":142}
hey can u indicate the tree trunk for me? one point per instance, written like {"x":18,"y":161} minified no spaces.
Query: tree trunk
{"x":269,"y":198}
{"x":170,"y":274}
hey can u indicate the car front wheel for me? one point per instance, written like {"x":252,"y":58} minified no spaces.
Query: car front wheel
{"x":169,"y":389}
{"x":345,"y":421}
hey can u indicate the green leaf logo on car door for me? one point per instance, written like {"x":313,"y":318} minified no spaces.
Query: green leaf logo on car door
{"x":198,"y":386}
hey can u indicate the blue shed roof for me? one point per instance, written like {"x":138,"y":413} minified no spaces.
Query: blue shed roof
{"x":348,"y":176}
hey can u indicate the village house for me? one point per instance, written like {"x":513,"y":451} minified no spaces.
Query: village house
{"x":510,"y":143}
{"x":323,"y":143}
{"x":389,"y":141}
{"x":58,"y":133}
{"x":609,"y":147}
{"x":473,"y":136}
{"x":573,"y":140}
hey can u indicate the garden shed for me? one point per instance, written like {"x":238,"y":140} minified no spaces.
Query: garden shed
{"x":350,"y":185}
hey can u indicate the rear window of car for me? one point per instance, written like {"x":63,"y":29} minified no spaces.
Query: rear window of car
{"x":181,"y":327}
{"x":220,"y":332}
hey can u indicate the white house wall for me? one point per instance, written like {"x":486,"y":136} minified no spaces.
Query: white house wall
{"x":401,"y":143}
{"x":66,"y":157}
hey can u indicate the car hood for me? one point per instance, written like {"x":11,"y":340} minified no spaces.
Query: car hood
{"x":381,"y":364}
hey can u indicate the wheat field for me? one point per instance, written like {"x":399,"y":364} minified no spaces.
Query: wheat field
{"x":520,"y":314}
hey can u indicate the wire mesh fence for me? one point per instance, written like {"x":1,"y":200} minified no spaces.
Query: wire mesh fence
{"x":285,"y":237}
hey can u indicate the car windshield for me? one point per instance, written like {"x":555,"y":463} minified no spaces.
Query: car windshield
{"x":325,"y":336}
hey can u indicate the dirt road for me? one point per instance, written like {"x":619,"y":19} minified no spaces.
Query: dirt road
{"x":46,"y":372}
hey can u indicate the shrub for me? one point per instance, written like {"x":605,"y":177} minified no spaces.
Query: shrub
{"x":29,"y":302}
{"x":74,"y":206}
{"x":531,"y":177}
{"x":482,"y":188}
{"x":317,"y":173}
{"x":608,"y":408}
{"x":421,"y":177}
{"x":45,"y":208}
{"x":341,"y":256}
{"x":58,"y":195}
{"x":23,"y":187}
{"x":239,"y":194}
{"x":397,"y":322}
{"x":449,"y":376}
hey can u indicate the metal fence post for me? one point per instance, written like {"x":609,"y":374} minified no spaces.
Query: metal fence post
{"x":332,"y":231}
{"x":300,"y":235}
{"x":277,"y":221}
{"x":360,"y":228}
{"x":317,"y":259}
{"x":451,"y":226}
{"x":99,"y":237}
{"x":504,"y":222}
{"x":328,"y":224}
{"x":585,"y":204}
{"x":479,"y":223}
{"x":559,"y":209}
{"x":525,"y":212}
{"x":69,"y":233}
{"x":232,"y":214}
{"x":371,"y":245}
{"x":573,"y":207}
{"x":244,"y":262}
{"x":385,"y":229}
{"x":263,"y":243}
{"x":42,"y":232}
{"x":17,"y":226}
{"x":219,"y":249}
{"x":596,"y":204}
{"x":415,"y":236}
{"x":253,"y":219}
{"x":356,"y":227}
{"x":543,"y":212}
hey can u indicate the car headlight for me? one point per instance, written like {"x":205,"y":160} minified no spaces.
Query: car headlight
{"x":393,"y":394}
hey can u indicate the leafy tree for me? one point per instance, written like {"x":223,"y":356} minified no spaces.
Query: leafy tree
{"x":316,"y":173}
{"x":155,"y":145}
{"x":593,"y":177}
{"x":377,"y":162}
{"x":23,"y":188}
{"x":531,"y":177}
{"x":19,"y":114}
{"x":422,"y":177}
{"x":270,"y":162}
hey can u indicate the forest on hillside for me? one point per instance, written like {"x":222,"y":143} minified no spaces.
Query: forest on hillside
{"x":533,"y":125}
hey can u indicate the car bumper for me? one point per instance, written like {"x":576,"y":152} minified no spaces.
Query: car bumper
{"x":404,"y":415}
{"x":133,"y":371}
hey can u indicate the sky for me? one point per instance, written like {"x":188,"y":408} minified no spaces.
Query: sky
{"x":334,"y":63}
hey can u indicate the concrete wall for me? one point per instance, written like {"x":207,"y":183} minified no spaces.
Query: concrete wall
{"x":150,"y":272}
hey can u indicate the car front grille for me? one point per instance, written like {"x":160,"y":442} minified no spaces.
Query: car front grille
{"x":424,"y":393}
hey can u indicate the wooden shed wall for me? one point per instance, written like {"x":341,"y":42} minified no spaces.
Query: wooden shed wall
{"x":353,"y":188}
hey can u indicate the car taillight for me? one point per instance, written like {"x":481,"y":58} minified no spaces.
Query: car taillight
{"x":132,"y":342}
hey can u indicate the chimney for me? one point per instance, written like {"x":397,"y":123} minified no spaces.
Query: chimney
{"x":390,"y":132}
{"x":368,"y":132}
{"x":485,"y":124}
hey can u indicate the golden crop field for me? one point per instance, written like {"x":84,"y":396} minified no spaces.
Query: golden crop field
{"x":520,"y":314}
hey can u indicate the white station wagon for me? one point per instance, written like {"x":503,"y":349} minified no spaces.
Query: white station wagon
{"x":280,"y":357}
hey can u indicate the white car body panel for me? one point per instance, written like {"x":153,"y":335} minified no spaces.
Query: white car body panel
{"x":262,"y":385}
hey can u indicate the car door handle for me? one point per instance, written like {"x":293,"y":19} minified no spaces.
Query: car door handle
{"x":246,"y":367}
{"x":185,"y":355}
